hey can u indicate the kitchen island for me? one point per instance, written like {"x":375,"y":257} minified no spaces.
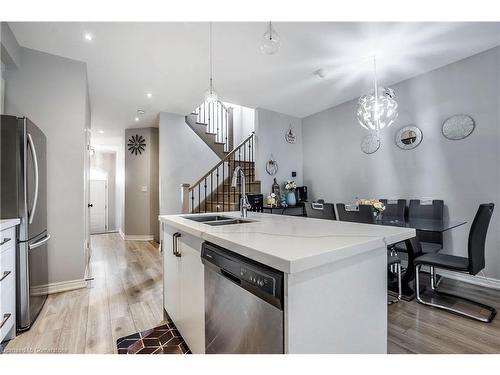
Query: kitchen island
{"x":334,"y":277}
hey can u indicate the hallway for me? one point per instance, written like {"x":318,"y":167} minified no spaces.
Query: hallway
{"x":125,"y":297}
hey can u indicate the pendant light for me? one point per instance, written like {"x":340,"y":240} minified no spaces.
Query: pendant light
{"x":271,"y":42}
{"x":377,"y":109}
{"x":211,"y":95}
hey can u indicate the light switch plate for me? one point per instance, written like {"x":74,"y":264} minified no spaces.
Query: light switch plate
{"x":144,"y":188}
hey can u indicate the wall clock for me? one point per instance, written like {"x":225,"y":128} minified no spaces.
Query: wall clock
{"x":136,"y":144}
{"x":370,"y":144}
{"x":458,"y":127}
{"x":408,"y":137}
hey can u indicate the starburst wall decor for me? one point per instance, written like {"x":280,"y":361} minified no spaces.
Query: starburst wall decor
{"x":136,"y":144}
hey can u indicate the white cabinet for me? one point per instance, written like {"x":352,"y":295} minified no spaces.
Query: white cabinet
{"x":7,"y":284}
{"x":183,"y":286}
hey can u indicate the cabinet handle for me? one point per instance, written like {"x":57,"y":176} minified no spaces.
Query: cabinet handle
{"x":5,"y":274}
{"x":5,"y":240}
{"x":174,"y":243}
{"x":5,"y":318}
{"x":177,"y":252}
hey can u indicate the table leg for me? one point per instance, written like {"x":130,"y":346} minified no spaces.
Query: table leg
{"x":414,"y":250}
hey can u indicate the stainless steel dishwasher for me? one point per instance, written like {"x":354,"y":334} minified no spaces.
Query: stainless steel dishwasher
{"x":243,"y":304}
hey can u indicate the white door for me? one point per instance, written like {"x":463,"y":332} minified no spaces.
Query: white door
{"x":97,"y":206}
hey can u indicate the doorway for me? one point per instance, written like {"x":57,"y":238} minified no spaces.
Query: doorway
{"x":98,"y":206}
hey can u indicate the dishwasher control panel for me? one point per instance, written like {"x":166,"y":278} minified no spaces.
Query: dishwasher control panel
{"x":258,"y":279}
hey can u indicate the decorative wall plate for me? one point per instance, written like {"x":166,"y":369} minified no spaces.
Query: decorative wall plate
{"x":370,"y":143}
{"x":136,"y":144}
{"x":408,"y":137}
{"x":272,"y":167}
{"x":458,"y":127}
{"x":290,"y":136}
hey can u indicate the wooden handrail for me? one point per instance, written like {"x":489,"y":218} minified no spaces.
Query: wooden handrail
{"x":227,"y":157}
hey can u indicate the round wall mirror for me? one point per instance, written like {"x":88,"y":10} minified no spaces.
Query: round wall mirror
{"x":458,"y":127}
{"x":408,"y":137}
{"x":370,"y":143}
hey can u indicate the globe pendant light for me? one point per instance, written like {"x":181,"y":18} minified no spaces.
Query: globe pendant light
{"x":211,"y":96}
{"x":377,"y":109}
{"x":271,"y":42}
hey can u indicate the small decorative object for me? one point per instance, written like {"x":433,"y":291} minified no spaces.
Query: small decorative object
{"x":136,"y":144}
{"x":272,"y":200}
{"x":376,"y":206}
{"x":408,"y":137}
{"x":283,"y":197}
{"x":290,"y":135}
{"x":458,"y":127}
{"x":290,"y":187}
{"x":370,"y":143}
{"x":272,"y":166}
{"x":276,"y":189}
{"x":377,"y":109}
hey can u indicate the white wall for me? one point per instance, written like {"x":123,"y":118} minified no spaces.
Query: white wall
{"x":184,"y":158}
{"x":270,"y":130}
{"x":52,"y":92}
{"x":243,"y":122}
{"x":463,"y":173}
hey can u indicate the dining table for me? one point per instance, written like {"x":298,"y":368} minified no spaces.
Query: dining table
{"x":413,"y":246}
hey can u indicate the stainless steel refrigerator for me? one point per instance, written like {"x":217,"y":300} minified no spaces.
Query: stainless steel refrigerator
{"x":24,"y":195}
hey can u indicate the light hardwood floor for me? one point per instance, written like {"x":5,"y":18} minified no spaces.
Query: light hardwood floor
{"x":126,"y":297}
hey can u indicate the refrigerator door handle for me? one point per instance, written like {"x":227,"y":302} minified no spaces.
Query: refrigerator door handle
{"x":39,"y":243}
{"x":35,"y":162}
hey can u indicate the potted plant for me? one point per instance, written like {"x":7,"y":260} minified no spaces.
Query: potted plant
{"x":290,"y":187}
{"x":376,"y":206}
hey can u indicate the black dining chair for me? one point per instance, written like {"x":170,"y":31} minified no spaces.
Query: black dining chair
{"x":320,"y":210}
{"x":362,"y":214}
{"x":472,"y":265}
{"x":394,"y":209}
{"x":256,"y":202}
{"x":395,"y":262}
{"x":431,"y":242}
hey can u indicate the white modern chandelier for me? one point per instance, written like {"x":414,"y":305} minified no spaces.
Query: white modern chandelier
{"x":270,"y":43}
{"x":211,"y":96}
{"x":377,"y":109}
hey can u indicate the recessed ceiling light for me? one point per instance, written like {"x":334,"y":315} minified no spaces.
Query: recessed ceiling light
{"x":88,"y":36}
{"x":149,"y":95}
{"x":136,"y":119}
{"x":101,"y":131}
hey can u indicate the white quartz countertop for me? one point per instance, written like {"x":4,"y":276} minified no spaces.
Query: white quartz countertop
{"x":8,"y":223}
{"x":289,"y":243}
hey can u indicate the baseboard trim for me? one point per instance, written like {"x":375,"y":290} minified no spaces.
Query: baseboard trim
{"x":62,"y":286}
{"x":146,"y":237}
{"x":487,"y":282}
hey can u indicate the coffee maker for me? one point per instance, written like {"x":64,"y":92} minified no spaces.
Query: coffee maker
{"x":302,"y":194}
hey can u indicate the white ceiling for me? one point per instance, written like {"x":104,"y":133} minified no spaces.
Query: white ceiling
{"x":127,"y":60}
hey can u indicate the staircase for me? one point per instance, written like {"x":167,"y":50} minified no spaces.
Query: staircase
{"x":213,"y":192}
{"x":213,"y":123}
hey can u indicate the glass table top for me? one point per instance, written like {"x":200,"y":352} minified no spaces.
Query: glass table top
{"x":422,"y":224}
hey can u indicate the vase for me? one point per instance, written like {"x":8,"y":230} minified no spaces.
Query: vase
{"x":377,"y":215}
{"x":290,"y":198}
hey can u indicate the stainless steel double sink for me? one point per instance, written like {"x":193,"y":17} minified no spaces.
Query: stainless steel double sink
{"x":215,"y":220}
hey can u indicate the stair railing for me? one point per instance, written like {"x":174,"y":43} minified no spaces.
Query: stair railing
{"x":212,"y":192}
{"x":219,"y":122}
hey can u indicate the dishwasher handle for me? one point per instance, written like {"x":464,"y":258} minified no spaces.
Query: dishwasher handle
{"x":230,"y":276}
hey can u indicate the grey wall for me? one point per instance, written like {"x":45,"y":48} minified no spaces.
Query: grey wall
{"x":184,"y":158}
{"x":52,"y":92}
{"x":106,"y":161}
{"x":141,"y":207}
{"x":270,"y":129}
{"x":10,"y":50}
{"x":463,"y":173}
